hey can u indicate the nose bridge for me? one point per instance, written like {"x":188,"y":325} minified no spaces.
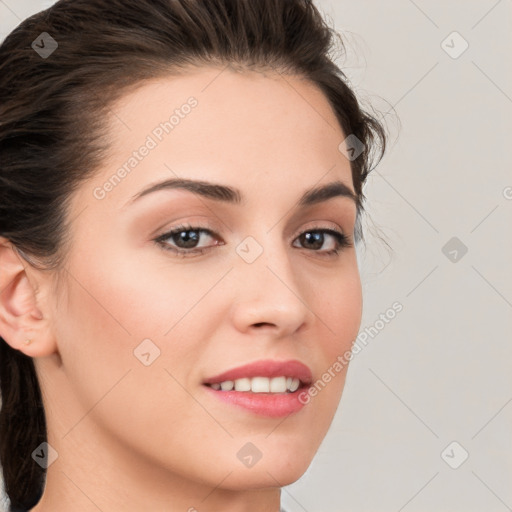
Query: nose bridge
{"x":266,"y":259}
{"x":267,"y":287}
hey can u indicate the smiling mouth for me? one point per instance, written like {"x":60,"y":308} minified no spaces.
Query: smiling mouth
{"x":281,"y":384}
{"x":270,"y":388}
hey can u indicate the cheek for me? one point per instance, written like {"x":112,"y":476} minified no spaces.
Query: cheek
{"x":109,"y":311}
{"x":115,"y":304}
{"x":338,"y":308}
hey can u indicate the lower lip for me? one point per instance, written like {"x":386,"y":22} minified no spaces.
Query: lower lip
{"x":274,"y":405}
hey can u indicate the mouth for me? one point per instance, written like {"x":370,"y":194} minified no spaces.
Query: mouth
{"x":259,"y":384}
{"x":268,"y":388}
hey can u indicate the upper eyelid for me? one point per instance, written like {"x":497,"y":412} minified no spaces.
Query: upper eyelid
{"x":213,"y":233}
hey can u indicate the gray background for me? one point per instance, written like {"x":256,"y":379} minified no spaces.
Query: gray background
{"x":439,"y":372}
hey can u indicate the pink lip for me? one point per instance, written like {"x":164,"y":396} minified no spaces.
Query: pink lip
{"x":273,"y":405}
{"x":265,"y":404}
{"x":266,"y":368}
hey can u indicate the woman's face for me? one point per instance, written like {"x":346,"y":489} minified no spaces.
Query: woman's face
{"x":140,"y":328}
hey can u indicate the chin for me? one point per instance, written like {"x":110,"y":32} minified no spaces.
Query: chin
{"x":263,"y":478}
{"x":276,"y":471}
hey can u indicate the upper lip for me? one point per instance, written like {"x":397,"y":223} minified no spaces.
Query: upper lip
{"x":266,"y":368}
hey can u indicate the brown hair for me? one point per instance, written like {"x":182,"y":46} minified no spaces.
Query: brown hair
{"x":53,"y":112}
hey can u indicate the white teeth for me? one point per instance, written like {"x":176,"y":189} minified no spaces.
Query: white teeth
{"x":243,"y":385}
{"x":278,"y":385}
{"x":227,"y":385}
{"x":259,"y":385}
{"x":294,"y":385}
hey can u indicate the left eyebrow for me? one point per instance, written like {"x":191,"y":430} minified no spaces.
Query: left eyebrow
{"x":325,"y":192}
{"x":232,"y":195}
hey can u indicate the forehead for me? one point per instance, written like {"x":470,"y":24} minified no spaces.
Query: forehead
{"x":256,"y":131}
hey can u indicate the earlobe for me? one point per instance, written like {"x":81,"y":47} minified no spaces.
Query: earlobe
{"x":21,"y":317}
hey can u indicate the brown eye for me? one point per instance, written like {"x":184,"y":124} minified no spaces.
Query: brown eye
{"x":184,"y":240}
{"x":314,"y":240}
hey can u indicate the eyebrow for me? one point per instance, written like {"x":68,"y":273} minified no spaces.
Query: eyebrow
{"x":232,"y":195}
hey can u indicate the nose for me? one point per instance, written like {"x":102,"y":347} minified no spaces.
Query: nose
{"x":270,"y":295}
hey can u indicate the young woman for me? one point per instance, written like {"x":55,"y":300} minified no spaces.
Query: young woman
{"x":180,"y":195}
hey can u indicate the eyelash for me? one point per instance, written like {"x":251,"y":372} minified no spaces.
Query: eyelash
{"x":343,"y":241}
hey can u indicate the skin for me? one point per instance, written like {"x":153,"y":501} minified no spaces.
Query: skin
{"x":131,"y":437}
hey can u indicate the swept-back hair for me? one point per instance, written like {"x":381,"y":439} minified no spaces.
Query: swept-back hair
{"x":53,"y":114}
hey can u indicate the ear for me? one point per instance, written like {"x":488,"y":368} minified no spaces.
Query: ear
{"x":21,"y":306}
